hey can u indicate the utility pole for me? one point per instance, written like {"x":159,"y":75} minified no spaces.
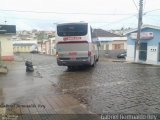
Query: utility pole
{"x":0,"y":54}
{"x":139,"y":30}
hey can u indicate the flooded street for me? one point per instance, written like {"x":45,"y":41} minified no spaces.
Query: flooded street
{"x":109,"y":87}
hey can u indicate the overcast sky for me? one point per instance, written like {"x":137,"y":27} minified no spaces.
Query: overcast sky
{"x":106,"y":14}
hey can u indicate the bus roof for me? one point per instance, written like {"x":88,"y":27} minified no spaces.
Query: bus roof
{"x":72,"y":23}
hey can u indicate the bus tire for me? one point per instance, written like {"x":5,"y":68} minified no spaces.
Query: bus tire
{"x":94,"y":63}
{"x":97,"y":59}
{"x":70,"y":67}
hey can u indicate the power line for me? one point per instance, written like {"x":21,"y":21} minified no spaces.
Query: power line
{"x":5,"y":10}
{"x":108,"y":23}
{"x":144,"y":4}
{"x":151,"y":11}
{"x":45,"y":12}
{"x":48,"y":12}
{"x":135,"y":4}
{"x":115,"y":22}
{"x":38,"y":19}
{"x":23,"y":18}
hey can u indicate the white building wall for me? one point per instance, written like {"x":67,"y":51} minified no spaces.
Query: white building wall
{"x":152,"y":54}
{"x":112,"y":40}
{"x":125,"y":45}
{"x":25,"y":47}
{"x":6,"y":47}
{"x":130,"y":53}
{"x":53,"y":50}
{"x":25,"y":42}
{"x":110,"y":45}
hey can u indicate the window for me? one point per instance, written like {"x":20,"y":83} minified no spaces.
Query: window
{"x":117,"y":46}
{"x":159,"y":52}
{"x":72,"y":29}
{"x":143,"y":51}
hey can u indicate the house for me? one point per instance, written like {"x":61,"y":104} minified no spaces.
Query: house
{"x":47,"y":46}
{"x":53,"y":48}
{"x":24,"y":46}
{"x":110,"y":43}
{"x":113,"y":43}
{"x":6,"y":47}
{"x":149,"y":45}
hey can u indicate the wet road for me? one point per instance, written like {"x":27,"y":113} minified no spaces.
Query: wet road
{"x":110,"y":87}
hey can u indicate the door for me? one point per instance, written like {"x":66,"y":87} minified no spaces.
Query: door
{"x":0,"y":52}
{"x":159,"y":52}
{"x":143,"y":51}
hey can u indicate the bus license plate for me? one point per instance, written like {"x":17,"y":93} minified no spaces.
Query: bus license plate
{"x":73,"y":55}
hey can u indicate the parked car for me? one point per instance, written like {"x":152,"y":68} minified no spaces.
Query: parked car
{"x":34,"y":51}
{"x":122,"y":55}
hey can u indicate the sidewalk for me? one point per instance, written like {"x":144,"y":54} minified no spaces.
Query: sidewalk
{"x":19,"y":91}
{"x":57,"y":104}
{"x":112,"y":59}
{"x":59,"y":107}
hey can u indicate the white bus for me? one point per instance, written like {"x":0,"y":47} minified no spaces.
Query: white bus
{"x":75,"y":45}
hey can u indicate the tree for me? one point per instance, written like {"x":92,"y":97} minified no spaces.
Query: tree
{"x":41,"y":35}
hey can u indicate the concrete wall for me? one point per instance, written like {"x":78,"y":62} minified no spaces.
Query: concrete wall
{"x":130,"y":53}
{"x":6,"y":48}
{"x":152,"y":54}
{"x":22,"y":48}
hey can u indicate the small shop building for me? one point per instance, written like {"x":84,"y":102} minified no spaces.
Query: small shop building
{"x":149,"y":45}
{"x":6,"y":47}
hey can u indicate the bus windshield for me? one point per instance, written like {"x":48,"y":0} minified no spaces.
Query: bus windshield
{"x":72,"y":29}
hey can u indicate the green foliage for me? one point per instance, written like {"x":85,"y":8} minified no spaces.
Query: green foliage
{"x":41,"y":36}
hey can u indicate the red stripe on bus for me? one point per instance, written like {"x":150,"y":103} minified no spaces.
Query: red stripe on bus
{"x":72,"y":42}
{"x":72,"y":38}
